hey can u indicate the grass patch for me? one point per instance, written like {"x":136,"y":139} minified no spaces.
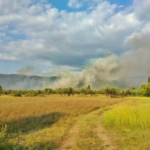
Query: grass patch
{"x":128,"y":116}
{"x":46,"y":139}
{"x":129,"y":125}
{"x":32,"y":123}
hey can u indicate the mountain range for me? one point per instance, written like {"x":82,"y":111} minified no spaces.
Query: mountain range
{"x":17,"y":81}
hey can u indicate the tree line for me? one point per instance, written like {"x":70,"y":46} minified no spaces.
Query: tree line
{"x":143,"y":90}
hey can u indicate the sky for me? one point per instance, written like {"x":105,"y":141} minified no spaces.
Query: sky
{"x":56,"y":35}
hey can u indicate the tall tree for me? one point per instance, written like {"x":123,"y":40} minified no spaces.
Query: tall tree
{"x":89,"y":87}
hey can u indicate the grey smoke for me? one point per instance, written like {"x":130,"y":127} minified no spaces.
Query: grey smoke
{"x":129,"y":69}
{"x":28,"y":70}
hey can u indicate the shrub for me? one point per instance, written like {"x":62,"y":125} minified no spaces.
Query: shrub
{"x":17,"y":94}
{"x":146,"y":90}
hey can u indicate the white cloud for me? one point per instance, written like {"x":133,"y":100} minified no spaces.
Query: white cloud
{"x":146,"y":29}
{"x":6,"y":57}
{"x":142,"y":9}
{"x":74,"y":4}
{"x":66,"y":38}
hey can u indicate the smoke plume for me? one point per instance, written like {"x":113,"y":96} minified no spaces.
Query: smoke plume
{"x":129,"y":69}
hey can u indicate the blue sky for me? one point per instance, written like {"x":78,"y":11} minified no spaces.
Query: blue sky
{"x":54,"y":35}
{"x":62,"y":5}
{"x":122,"y":2}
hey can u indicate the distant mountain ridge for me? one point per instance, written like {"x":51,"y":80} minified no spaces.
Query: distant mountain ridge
{"x":16,"y":81}
{"x":22,"y":82}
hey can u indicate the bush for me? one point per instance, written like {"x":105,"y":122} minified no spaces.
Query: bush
{"x":146,"y":90}
{"x":17,"y":94}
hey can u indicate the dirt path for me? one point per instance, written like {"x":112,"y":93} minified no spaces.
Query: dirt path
{"x":69,"y":143}
{"x":107,"y":142}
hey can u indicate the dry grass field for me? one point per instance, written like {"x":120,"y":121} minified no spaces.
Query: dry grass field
{"x":67,"y":123}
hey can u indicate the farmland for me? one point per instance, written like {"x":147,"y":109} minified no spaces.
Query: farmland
{"x":75,"y":123}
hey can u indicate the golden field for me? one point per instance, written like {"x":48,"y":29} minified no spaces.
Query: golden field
{"x":74,"y":123}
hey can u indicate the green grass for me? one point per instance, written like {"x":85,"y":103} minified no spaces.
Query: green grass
{"x":129,"y":124}
{"x":128,"y":116}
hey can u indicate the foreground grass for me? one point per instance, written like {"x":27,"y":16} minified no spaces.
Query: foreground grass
{"x":42,"y":123}
{"x":129,"y":125}
{"x":129,"y":116}
{"x":75,"y":123}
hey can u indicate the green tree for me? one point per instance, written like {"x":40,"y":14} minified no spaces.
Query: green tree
{"x":85,"y":90}
{"x":89,"y":87}
{"x":132,"y":88}
{"x":138,"y":92}
{"x":101,"y":91}
{"x":142,"y":86}
{"x":123,"y":93}
{"x":48,"y":91}
{"x":110,"y":91}
{"x":78,"y":91}
{"x":115,"y":92}
{"x":92,"y":92}
{"x":17,"y":94}
{"x":60,"y":91}
{"x":69,"y":91}
{"x":1,"y":90}
{"x":146,"y":90}
{"x":128,"y":92}
{"x":38,"y":92}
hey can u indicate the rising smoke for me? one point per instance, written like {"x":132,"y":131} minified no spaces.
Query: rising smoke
{"x":129,"y":69}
